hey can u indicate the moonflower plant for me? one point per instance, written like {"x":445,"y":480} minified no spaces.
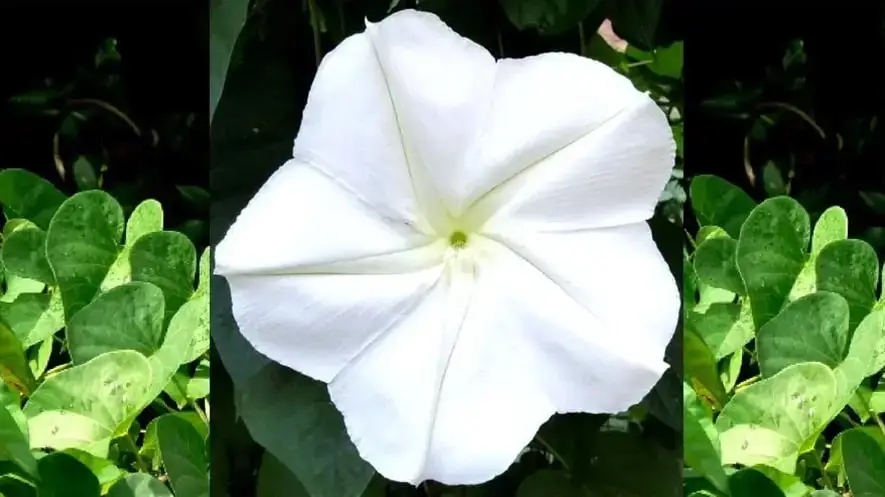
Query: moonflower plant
{"x":459,"y":247}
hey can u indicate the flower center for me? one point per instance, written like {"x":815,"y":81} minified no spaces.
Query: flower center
{"x":458,"y":239}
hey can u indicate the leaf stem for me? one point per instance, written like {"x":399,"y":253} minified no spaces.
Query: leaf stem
{"x":828,"y":482}
{"x":747,"y":382}
{"x":850,"y":421}
{"x":582,"y":39}
{"x":551,"y":450}
{"x":191,"y":402}
{"x":139,"y":462}
{"x":874,"y":415}
{"x":314,"y":24}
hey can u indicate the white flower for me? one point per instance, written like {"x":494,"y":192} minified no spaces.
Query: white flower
{"x":459,"y":247}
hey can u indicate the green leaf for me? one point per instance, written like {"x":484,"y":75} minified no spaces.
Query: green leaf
{"x":198,"y":384}
{"x":193,"y":319}
{"x":851,"y":269}
{"x":14,"y":369}
{"x":130,"y":317}
{"x":139,"y":485}
{"x":629,"y":464}
{"x":597,"y":48}
{"x":196,"y":196}
{"x":84,"y":174}
{"x":33,"y":317}
{"x":773,"y":180}
{"x":822,"y":318}
{"x":150,"y":445}
{"x":227,"y":18}
{"x":14,"y":444}
{"x":771,"y":252}
{"x":874,"y":200}
{"x":701,"y":441}
{"x":280,"y":405}
{"x":836,"y":462}
{"x":168,"y":260}
{"x":17,"y":286}
{"x":183,"y":452}
{"x":205,"y":271}
{"x":725,"y":326}
{"x":714,"y":262}
{"x":791,"y":485}
{"x":667,"y":62}
{"x":774,"y":420}
{"x":25,"y":195}
{"x":61,"y":475}
{"x":717,"y":202}
{"x":87,"y":406}
{"x":571,"y":436}
{"x":730,"y":370}
{"x":241,"y":360}
{"x":751,"y":483}
{"x":276,"y":480}
{"x":147,"y":217}
{"x":700,"y":368}
{"x":860,"y":361}
{"x":864,"y":461}
{"x":636,"y":21}
{"x":24,"y":254}
{"x":103,"y":469}
{"x":547,"y":17}
{"x":550,"y":482}
{"x":830,"y":227}
{"x":82,"y":243}
{"x":38,"y":357}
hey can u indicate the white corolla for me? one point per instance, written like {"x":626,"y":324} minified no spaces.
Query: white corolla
{"x":459,"y":247}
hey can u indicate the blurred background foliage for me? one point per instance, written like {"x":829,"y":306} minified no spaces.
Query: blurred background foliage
{"x":264,"y":55}
{"x":96,"y":96}
{"x":791,"y":101}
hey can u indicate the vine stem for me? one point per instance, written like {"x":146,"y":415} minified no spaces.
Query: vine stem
{"x":190,"y":401}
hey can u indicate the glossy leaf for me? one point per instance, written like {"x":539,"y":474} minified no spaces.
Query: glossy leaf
{"x":61,"y":475}
{"x":25,"y":195}
{"x":717,"y":202}
{"x":139,"y":485}
{"x":183,"y":452}
{"x":14,"y":444}
{"x":771,"y":252}
{"x":82,"y":243}
{"x":864,"y":464}
{"x":14,"y":368}
{"x":86,"y":406}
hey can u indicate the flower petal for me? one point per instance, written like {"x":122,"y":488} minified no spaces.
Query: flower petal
{"x":349,"y":130}
{"x":618,"y":274}
{"x":586,"y":150}
{"x":317,"y":323}
{"x":441,"y":86}
{"x":301,"y":219}
{"x":388,"y":394}
{"x":474,"y":388}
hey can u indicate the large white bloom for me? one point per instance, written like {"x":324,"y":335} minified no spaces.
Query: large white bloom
{"x":459,"y":247}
